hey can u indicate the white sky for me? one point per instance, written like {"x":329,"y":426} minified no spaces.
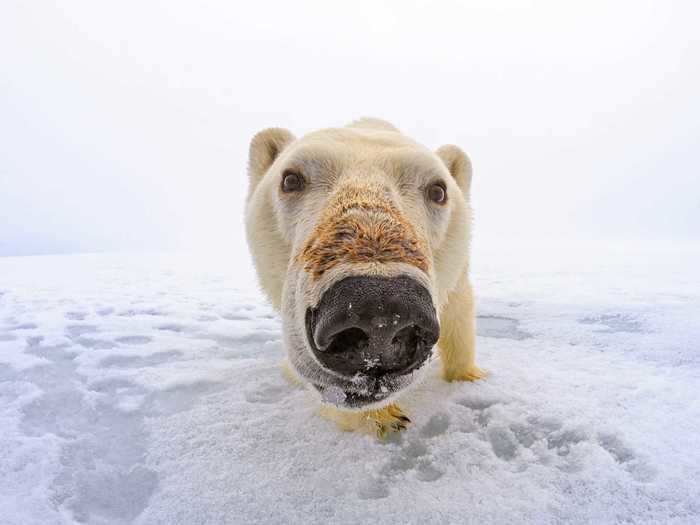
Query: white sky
{"x":125,"y":125}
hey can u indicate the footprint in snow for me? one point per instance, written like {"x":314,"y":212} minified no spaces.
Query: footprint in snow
{"x":134,"y":339}
{"x":637,"y":467}
{"x":131,"y":361}
{"x":412,"y":458}
{"x":76,"y":330}
{"x":95,"y":344}
{"x":140,"y":311}
{"x":373,"y":489}
{"x":478,"y":408}
{"x":436,"y":425}
{"x":24,"y":326}
{"x":172,"y":327}
{"x":267,"y":393}
{"x":550,"y":441}
{"x":235,"y":317}
{"x":76,"y":316}
{"x":34,"y":341}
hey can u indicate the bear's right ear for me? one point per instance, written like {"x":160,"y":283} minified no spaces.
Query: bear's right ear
{"x":264,"y":149}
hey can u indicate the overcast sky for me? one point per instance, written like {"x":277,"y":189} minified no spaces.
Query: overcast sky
{"x":125,"y":125}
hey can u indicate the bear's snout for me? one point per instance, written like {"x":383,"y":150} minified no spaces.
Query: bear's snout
{"x":375,"y":326}
{"x":361,"y":225}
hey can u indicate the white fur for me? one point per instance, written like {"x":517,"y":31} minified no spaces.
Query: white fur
{"x":369,"y":151}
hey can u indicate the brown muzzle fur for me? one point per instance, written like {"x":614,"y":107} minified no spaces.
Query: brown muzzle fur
{"x":359,"y":225}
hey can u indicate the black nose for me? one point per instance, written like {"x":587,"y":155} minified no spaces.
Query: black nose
{"x":373,"y":325}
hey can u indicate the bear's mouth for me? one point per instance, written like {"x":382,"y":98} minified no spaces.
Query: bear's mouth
{"x":361,"y":389}
{"x":338,"y":396}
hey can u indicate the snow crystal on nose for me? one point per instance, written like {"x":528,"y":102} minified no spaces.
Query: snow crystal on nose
{"x":379,"y":322}
{"x":371,"y":362}
{"x":333,"y":395}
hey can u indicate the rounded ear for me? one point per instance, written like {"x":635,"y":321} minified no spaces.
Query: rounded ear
{"x":264,"y":149}
{"x":458,"y":164}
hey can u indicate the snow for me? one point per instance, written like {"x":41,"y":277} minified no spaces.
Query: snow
{"x":146,"y":389}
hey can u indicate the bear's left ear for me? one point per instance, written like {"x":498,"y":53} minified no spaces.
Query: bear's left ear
{"x":264,"y":149}
{"x":458,"y":164}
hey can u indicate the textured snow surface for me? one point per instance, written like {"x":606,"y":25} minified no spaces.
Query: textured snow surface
{"x":146,"y":389}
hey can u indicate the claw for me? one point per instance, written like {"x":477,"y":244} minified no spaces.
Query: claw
{"x":386,"y":420}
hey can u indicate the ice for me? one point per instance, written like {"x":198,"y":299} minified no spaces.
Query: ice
{"x":146,"y":390}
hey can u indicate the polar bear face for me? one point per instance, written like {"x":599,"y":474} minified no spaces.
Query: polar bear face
{"x":357,"y":234}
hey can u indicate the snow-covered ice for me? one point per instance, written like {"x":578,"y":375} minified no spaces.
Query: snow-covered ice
{"x":146,"y":389}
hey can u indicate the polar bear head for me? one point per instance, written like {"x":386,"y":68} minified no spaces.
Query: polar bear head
{"x":357,"y":235}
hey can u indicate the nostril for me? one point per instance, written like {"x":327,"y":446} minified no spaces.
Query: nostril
{"x":413,"y":335}
{"x":406,"y":337}
{"x":349,"y":340}
{"x":411,"y":344}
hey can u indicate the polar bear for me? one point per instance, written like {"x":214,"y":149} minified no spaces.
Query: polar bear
{"x":360,"y":239}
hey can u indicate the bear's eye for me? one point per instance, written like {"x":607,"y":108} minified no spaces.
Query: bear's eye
{"x":437,"y":193}
{"x":292,"y":181}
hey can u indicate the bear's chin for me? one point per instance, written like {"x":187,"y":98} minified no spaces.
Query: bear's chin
{"x":336,"y":396}
{"x":363,"y":391}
